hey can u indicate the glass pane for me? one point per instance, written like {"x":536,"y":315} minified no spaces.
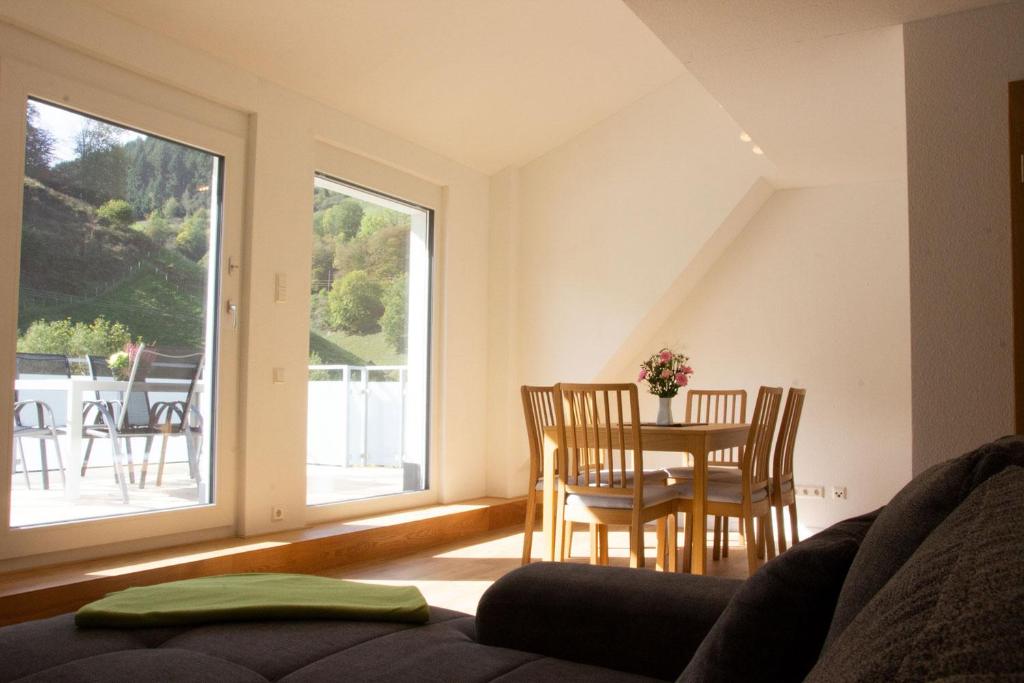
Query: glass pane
{"x":112,"y":396}
{"x":368,"y":345}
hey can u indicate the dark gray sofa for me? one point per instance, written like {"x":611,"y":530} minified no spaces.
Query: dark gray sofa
{"x":931,"y":587}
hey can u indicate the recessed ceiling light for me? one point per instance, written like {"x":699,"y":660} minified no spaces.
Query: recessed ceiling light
{"x":744,"y":136}
{"x":756,"y":150}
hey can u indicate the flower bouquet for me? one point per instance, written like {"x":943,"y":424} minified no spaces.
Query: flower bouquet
{"x":665,"y":372}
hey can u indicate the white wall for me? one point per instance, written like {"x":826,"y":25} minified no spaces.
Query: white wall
{"x":590,"y":235}
{"x":957,"y":70}
{"x":284,"y":132}
{"x":814,"y":293}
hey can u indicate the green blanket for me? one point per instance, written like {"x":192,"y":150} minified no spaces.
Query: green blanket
{"x":253,"y":597}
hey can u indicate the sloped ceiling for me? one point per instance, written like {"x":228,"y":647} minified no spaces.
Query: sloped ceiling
{"x":488,"y":83}
{"x":818,"y":84}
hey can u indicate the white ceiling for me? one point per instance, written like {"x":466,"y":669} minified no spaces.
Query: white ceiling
{"x":494,"y":83}
{"x":488,"y":83}
{"x":818,"y":84}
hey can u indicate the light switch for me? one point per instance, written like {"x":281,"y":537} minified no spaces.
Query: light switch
{"x":278,"y":375}
{"x":280,"y":288}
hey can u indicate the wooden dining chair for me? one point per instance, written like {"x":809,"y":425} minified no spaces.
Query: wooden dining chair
{"x":599,"y":450}
{"x":783,"y":488}
{"x":716,"y":406}
{"x":539,"y":411}
{"x":747,"y":499}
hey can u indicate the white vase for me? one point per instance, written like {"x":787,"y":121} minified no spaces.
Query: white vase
{"x":664,"y":410}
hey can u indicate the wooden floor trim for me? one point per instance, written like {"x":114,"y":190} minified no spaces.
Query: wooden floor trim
{"x":38,"y":593}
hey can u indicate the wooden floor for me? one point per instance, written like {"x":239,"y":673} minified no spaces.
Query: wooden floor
{"x":456,"y":575}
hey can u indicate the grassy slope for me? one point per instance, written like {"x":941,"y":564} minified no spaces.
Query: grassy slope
{"x":371,"y":347}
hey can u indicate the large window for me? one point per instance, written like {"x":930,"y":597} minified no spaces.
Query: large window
{"x":115,"y":350}
{"x":368,"y":345}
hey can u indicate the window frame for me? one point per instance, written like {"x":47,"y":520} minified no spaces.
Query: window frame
{"x":113,"y":95}
{"x":349,"y":168}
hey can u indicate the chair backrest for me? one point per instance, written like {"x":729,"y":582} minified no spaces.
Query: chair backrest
{"x":757,"y":452}
{"x":782,"y":461}
{"x":99,"y":368}
{"x":539,"y":412}
{"x":599,"y":439}
{"x":176,"y":376}
{"x":42,"y":366}
{"x":718,"y":406}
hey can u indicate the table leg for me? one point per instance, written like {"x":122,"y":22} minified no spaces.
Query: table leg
{"x":548,"y":498}
{"x":698,"y":540}
{"x":73,"y":466}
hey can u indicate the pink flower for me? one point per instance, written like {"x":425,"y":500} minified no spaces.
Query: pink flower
{"x":686,"y":380}
{"x":665,"y":356}
{"x":686,"y":369}
{"x":642,"y":377}
{"x":681,"y":379}
{"x":666,"y":373}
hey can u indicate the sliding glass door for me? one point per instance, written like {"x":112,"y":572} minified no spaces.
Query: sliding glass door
{"x":115,"y":349}
{"x":368,"y":345}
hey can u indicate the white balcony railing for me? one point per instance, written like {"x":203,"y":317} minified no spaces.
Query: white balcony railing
{"x":356,"y":415}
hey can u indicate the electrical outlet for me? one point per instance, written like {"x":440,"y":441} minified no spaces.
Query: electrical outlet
{"x":810,"y":491}
{"x":838,"y":493}
{"x":276,"y":513}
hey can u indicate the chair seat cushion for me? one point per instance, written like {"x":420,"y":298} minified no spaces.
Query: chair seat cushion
{"x":650,"y":477}
{"x":714,"y":472}
{"x":653,"y":494}
{"x":720,"y":491}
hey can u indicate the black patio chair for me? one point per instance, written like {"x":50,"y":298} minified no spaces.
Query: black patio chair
{"x":34,"y":416}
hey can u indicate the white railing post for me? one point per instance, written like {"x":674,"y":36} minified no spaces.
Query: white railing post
{"x":346,"y":382}
{"x":401,"y":415}
{"x":366,"y":414}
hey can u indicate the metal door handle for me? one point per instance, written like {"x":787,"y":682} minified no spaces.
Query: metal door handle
{"x":232,"y":309}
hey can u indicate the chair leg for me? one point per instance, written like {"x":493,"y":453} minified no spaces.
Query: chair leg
{"x":636,"y":545}
{"x":792,"y":523}
{"x":559,"y":532}
{"x":602,"y":533}
{"x":531,"y":517}
{"x":759,"y":530}
{"x":687,"y":542}
{"x":725,"y":537}
{"x":716,"y":543}
{"x":131,"y":457}
{"x":163,"y":454}
{"x":19,"y":454}
{"x":748,"y":521}
{"x":595,"y":542}
{"x":118,"y":456}
{"x":60,"y":460}
{"x":661,"y":545}
{"x":769,"y":536}
{"x":782,"y":528}
{"x":88,"y":452}
{"x":673,"y":542}
{"x":43,"y":464}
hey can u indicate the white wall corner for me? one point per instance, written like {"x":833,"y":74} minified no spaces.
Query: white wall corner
{"x":636,"y":346}
{"x":507,"y":463}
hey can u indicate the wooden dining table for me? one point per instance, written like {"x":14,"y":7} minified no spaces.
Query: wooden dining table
{"x":697,"y":440}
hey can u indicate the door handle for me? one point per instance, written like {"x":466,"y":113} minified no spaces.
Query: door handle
{"x":232,"y":309}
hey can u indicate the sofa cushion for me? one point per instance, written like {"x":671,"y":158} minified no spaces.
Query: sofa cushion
{"x":953,"y":611}
{"x":774,"y":626}
{"x":646,"y":622}
{"x":910,"y":516}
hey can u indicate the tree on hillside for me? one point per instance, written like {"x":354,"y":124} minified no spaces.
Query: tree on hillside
{"x":116,"y":213}
{"x":354,"y":304}
{"x":384,"y":254}
{"x":100,"y":170}
{"x":101,"y":337}
{"x":158,"y":229}
{"x":323,"y":262}
{"x":194,"y":238}
{"x":395,"y":321}
{"x":378,"y":218}
{"x":39,"y":144}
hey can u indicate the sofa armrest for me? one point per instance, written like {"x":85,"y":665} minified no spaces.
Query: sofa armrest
{"x":627,"y":619}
